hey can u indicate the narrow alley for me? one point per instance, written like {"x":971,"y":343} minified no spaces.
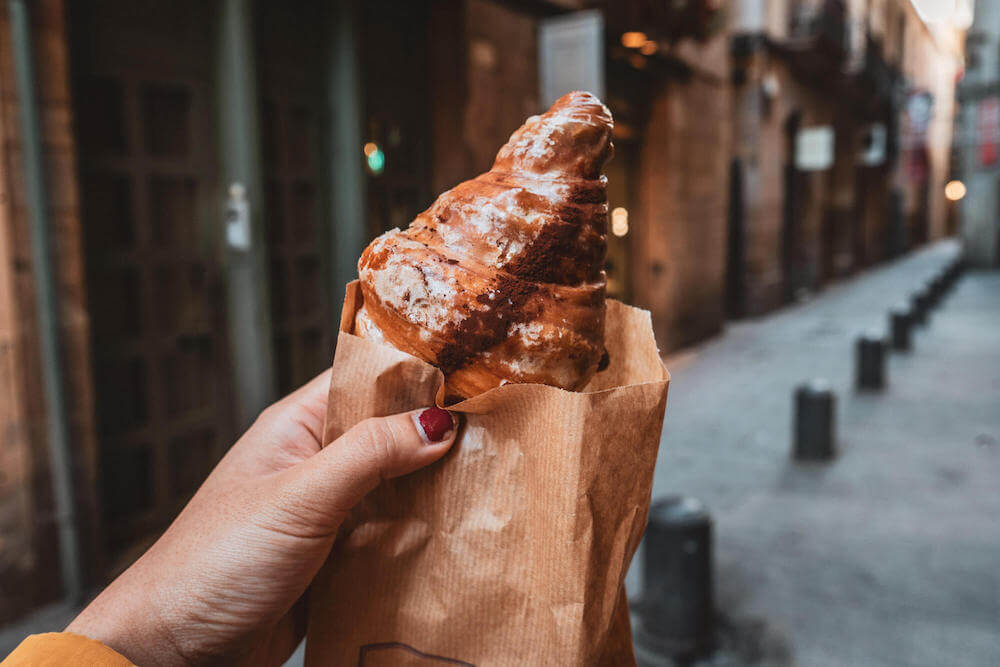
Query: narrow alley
{"x":886,"y":555}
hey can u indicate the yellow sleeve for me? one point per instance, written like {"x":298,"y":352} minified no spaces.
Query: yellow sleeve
{"x":63,"y":648}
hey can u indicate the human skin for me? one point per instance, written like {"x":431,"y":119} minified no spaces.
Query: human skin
{"x":225,"y":582}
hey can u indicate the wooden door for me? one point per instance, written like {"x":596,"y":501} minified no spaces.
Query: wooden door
{"x":291,"y":54}
{"x":142,"y":96}
{"x":394,"y":47}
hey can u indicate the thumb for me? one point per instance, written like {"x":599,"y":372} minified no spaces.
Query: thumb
{"x":336,"y":478}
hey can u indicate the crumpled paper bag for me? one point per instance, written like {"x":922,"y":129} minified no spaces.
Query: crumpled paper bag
{"x":511,"y":550}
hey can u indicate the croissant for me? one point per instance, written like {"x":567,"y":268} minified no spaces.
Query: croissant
{"x":501,"y":280}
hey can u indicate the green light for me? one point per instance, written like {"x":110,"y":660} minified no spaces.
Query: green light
{"x":376,"y":161}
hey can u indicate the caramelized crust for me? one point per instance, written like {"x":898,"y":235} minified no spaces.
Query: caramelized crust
{"x":501,"y":279}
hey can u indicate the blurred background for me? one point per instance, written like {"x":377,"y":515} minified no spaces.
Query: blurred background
{"x":186,"y":186}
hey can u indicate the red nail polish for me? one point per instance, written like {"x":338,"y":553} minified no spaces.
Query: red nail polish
{"x":436,"y":423}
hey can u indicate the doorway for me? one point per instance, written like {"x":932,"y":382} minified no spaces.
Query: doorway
{"x":736,"y":244}
{"x":147,"y":160}
{"x":291,"y":43}
{"x":791,"y":227}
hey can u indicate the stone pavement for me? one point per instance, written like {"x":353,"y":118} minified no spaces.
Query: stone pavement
{"x":889,"y":555}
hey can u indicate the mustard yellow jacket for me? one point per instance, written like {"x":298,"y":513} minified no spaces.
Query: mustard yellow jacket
{"x":63,"y":648}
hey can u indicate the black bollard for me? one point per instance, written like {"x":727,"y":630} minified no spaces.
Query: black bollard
{"x":870,"y":362}
{"x":899,"y":325}
{"x":954,"y":270}
{"x":936,"y":289}
{"x":814,"y":422}
{"x":929,"y":302}
{"x":944,"y":282}
{"x":678,"y":614}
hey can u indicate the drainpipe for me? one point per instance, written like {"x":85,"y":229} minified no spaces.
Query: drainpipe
{"x":248,"y":305}
{"x":46,"y":304}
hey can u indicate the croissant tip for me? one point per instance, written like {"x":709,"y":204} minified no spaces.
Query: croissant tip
{"x":584,"y":101}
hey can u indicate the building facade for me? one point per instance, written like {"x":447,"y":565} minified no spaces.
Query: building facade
{"x":978,"y":136}
{"x":842,"y":122}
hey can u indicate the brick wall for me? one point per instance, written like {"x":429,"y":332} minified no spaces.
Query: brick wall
{"x":678,"y":243}
{"x":29,"y":570}
{"x":823,"y":243}
{"x":485,"y":83}
{"x":842,"y":216}
{"x":930,"y":62}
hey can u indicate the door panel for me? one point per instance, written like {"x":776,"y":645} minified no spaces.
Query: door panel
{"x":291,"y":48}
{"x":147,"y":159}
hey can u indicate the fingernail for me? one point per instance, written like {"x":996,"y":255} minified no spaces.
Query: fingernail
{"x":435,"y":424}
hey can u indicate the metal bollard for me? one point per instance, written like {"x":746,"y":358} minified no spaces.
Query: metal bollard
{"x":954,"y":270}
{"x":815,"y":404}
{"x":870,"y":362}
{"x":936,"y":290}
{"x":678,"y":612}
{"x":948,"y":278}
{"x":900,"y":325}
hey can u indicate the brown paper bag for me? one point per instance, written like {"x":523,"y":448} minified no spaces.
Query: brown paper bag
{"x":511,"y":550}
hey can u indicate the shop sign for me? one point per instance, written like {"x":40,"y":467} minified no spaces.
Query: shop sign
{"x":814,"y":148}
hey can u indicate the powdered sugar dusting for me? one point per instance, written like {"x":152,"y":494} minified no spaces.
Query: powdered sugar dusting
{"x":539,"y":146}
{"x":536,"y":140}
{"x":488,"y":216}
{"x":530,"y":333}
{"x":529,"y":365}
{"x":423,"y":294}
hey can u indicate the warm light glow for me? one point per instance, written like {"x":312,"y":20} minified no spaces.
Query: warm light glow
{"x":637,"y":61}
{"x":955,"y":190}
{"x":619,"y":221}
{"x":649,"y":48}
{"x":370,"y":148}
{"x":633,"y":40}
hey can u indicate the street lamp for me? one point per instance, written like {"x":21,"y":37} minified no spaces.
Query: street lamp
{"x":954,"y":190}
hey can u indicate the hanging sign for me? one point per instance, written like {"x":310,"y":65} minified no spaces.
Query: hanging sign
{"x":988,"y":130}
{"x":873,"y":147}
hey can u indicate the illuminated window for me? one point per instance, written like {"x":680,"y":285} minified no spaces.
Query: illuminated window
{"x":619,"y":221}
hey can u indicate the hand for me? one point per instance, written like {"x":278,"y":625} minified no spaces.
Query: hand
{"x":225,"y":581}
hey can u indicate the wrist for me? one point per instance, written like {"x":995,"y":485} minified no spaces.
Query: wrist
{"x":128,"y":624}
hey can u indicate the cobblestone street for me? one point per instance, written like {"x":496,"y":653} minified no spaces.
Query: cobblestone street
{"x":887,"y":555}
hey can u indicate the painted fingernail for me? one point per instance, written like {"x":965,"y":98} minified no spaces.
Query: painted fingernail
{"x":435,"y":424}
